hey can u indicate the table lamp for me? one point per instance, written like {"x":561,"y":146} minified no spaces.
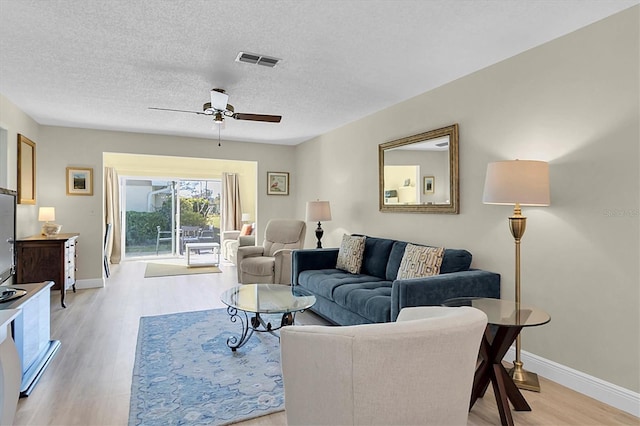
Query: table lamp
{"x":518,"y":183}
{"x":47,"y":215}
{"x":318,"y":211}
{"x":245,"y":217}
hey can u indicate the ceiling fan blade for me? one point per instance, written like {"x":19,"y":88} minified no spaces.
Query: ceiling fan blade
{"x":219,"y":99}
{"x":177,"y":110}
{"x":257,"y":117}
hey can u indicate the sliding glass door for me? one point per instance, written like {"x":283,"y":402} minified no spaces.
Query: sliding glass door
{"x":162,"y":214}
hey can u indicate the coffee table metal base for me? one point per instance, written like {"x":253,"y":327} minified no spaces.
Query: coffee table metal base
{"x":255,"y":323}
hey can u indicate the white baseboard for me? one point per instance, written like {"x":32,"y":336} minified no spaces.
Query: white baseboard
{"x":91,"y":283}
{"x":614,"y":395}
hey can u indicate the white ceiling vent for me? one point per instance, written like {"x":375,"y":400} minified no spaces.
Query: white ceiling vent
{"x":253,"y":58}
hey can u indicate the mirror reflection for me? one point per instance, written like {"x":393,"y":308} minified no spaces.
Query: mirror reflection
{"x":419,"y":173}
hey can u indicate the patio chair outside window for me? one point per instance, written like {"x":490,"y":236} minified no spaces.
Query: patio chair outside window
{"x":162,"y":236}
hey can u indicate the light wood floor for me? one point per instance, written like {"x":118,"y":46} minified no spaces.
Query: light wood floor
{"x":89,"y":381}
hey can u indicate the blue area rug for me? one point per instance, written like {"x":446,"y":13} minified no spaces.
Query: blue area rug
{"x":184,"y":373}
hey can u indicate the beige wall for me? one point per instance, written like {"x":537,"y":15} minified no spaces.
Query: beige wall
{"x":572,"y":102}
{"x":64,"y":147}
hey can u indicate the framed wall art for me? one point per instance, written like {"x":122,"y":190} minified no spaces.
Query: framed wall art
{"x":429,"y":185}
{"x":79,"y":181}
{"x":277,"y":183}
{"x":26,"y":170}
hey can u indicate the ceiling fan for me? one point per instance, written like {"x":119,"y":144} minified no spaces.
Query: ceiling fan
{"x":219,"y":109}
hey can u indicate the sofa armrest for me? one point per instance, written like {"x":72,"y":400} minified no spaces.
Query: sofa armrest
{"x":282,"y":266}
{"x":230,"y":235}
{"x":311,"y":259}
{"x":247,"y":240}
{"x":433,"y":291}
{"x":249,"y":251}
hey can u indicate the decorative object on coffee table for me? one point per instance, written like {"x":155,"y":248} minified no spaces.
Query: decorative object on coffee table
{"x":519,"y":183}
{"x":318,"y":211}
{"x":47,"y":215}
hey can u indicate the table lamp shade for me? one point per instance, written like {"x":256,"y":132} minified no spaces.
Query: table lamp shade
{"x":318,"y":211}
{"x":245,"y":217}
{"x":46,"y":214}
{"x":523,"y":182}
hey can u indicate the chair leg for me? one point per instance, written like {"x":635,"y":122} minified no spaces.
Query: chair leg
{"x":106,"y":267}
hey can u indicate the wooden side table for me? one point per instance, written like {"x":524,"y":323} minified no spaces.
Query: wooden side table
{"x":504,"y":324}
{"x":41,"y":258}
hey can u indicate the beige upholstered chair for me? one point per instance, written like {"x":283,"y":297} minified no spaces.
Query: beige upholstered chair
{"x":231,"y":240}
{"x":416,"y":371}
{"x":271,"y":262}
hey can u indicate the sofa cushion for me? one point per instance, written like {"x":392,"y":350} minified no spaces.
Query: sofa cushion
{"x":325,"y":281}
{"x":454,"y":260}
{"x":350,"y":253}
{"x":371,"y":300}
{"x":420,"y":261}
{"x":376,"y":255}
{"x":259,"y":266}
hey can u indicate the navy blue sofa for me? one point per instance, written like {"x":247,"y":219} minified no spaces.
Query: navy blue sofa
{"x":375,"y":295}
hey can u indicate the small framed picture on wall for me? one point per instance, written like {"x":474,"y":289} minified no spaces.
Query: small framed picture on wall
{"x":429,"y":185}
{"x":277,"y":183}
{"x":79,"y":181}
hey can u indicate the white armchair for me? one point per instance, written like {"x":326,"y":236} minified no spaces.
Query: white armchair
{"x":231,"y":240}
{"x":416,"y":371}
{"x":271,"y":262}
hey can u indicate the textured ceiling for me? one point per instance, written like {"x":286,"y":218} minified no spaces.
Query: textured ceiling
{"x":101,"y":64}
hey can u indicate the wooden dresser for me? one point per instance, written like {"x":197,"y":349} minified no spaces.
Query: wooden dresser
{"x":41,"y":258}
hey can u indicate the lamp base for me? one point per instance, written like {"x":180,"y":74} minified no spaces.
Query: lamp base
{"x":524,"y":380}
{"x":319,"y":233}
{"x":50,"y":229}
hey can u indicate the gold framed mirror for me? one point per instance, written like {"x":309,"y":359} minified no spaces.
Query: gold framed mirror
{"x":419,"y":173}
{"x":26,"y":170}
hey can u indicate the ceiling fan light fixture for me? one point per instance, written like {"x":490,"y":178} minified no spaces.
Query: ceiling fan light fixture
{"x":206,"y":108}
{"x":218,"y":117}
{"x":219,"y":99}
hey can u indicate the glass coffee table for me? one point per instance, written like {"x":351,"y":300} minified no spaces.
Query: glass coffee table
{"x":246,"y":303}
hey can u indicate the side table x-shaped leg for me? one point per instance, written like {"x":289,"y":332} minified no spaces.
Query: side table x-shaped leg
{"x":492,"y":350}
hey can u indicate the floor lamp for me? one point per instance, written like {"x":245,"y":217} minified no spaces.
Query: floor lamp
{"x":518,"y":183}
{"x":318,"y":211}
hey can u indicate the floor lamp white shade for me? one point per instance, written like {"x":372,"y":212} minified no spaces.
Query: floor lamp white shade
{"x":518,"y":183}
{"x":524,"y":182}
